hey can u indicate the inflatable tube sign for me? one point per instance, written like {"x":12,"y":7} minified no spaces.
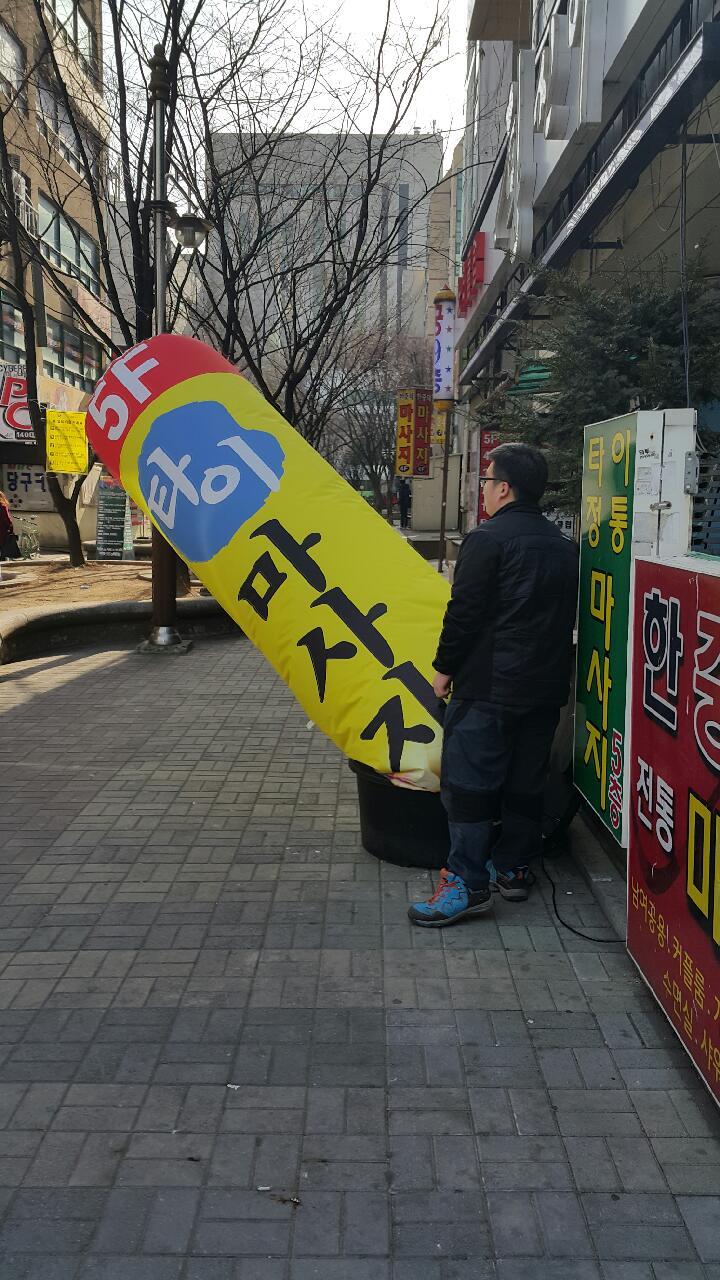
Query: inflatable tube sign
{"x":346,"y":612}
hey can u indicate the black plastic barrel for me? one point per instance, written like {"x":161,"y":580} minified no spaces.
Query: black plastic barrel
{"x":397,"y":825}
{"x":410,"y":828}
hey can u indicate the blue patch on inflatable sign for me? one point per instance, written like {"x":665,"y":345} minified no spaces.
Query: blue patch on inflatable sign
{"x":203,"y":476}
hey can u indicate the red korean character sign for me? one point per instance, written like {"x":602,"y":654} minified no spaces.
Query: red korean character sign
{"x":423,"y":433}
{"x":674,"y":854}
{"x":15,"y":424}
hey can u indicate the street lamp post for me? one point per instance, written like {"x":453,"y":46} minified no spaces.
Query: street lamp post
{"x":164,"y":635}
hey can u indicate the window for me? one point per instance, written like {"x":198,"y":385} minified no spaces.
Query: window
{"x":77,"y":32}
{"x":55,"y":124}
{"x":72,"y":357}
{"x":12,"y":64}
{"x":12,"y":334}
{"x":67,"y":246}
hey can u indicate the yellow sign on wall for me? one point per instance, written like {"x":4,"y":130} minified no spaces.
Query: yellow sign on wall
{"x":66,"y":442}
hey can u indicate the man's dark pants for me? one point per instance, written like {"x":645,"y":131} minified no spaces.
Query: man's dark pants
{"x":494,"y":765}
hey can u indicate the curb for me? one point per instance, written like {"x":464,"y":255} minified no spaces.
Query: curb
{"x":30,"y":632}
{"x":607,"y":884}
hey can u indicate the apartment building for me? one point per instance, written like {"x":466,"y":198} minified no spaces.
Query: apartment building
{"x":52,"y":199}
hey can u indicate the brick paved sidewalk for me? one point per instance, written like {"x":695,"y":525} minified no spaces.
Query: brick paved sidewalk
{"x":225,"y":1054}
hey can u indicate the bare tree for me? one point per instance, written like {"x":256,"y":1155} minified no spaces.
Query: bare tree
{"x":363,"y":432}
{"x":299,"y":268}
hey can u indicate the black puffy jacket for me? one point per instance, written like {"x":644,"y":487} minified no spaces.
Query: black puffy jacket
{"x":507,"y":636}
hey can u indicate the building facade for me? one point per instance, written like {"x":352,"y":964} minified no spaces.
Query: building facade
{"x":592,"y":116}
{"x":52,"y":202}
{"x":302,"y":206}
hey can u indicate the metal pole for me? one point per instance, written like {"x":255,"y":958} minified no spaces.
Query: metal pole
{"x":443,"y":502}
{"x":444,"y":308}
{"x":164,"y":632}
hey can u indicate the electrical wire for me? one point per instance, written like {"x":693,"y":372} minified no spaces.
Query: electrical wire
{"x":578,"y":932}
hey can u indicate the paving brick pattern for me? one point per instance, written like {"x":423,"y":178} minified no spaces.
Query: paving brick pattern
{"x":225,"y":1054}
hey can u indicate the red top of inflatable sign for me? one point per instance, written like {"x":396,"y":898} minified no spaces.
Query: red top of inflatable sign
{"x":135,"y":379}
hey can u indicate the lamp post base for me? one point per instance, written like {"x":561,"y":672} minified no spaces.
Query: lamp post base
{"x":165,"y":641}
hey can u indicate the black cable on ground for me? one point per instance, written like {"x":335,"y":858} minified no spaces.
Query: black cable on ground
{"x":578,"y":932}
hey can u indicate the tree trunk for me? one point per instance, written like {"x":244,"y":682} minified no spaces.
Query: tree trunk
{"x":67,"y":510}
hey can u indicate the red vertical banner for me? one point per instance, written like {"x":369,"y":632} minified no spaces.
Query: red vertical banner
{"x":488,"y":441}
{"x":423,"y":432}
{"x":674,"y":849}
{"x":405,"y":439}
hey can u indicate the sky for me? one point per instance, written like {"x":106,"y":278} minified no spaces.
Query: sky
{"x":442,"y":97}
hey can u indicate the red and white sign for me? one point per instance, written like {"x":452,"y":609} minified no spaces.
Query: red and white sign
{"x":443,"y":350}
{"x":674,"y":854}
{"x":15,"y":425}
{"x":473,"y":274}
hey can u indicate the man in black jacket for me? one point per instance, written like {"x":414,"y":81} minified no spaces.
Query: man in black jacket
{"x":506,"y":652}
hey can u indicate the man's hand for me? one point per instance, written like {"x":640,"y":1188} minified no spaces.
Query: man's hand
{"x":441,"y":685}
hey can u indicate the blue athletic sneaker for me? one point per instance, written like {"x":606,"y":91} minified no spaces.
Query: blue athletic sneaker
{"x":511,"y":885}
{"x":451,"y":901}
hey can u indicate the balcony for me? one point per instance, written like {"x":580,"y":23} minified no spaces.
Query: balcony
{"x":500,"y":20}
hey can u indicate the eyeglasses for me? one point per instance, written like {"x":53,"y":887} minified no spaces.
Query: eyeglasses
{"x":490,"y":480}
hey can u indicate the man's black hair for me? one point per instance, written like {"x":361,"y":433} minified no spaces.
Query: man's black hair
{"x":523,"y":467}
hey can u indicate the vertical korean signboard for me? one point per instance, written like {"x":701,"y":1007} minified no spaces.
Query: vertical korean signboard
{"x":405,"y":433}
{"x":423,"y":434}
{"x":674,"y":857}
{"x":414,"y":433}
{"x":444,"y":306}
{"x":603,"y":618}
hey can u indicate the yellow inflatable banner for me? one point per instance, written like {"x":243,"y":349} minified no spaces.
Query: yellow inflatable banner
{"x":346,"y":611}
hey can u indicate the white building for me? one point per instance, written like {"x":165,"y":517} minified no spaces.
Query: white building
{"x":292,"y":211}
{"x":574,"y":120}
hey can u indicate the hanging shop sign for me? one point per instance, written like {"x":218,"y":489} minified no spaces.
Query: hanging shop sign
{"x":414,"y":433}
{"x":26,"y":488}
{"x":346,"y":612}
{"x":473,"y":274}
{"x":15,"y":425}
{"x":423,"y":434}
{"x":66,"y":442}
{"x":674,"y":854}
{"x":405,"y":434}
{"x":444,"y":306}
